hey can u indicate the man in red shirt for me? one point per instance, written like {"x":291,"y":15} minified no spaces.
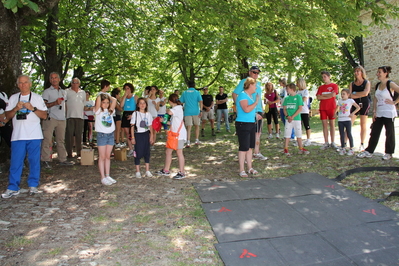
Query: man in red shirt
{"x":326,"y":94}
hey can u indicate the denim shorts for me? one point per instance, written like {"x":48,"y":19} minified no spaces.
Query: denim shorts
{"x":105,"y":139}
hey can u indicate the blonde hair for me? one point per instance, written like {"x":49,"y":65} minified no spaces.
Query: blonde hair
{"x":364,"y":75}
{"x":248,"y":82}
{"x":301,"y":83}
{"x":267,"y":90}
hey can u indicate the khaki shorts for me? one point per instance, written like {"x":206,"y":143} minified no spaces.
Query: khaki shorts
{"x":208,"y":115}
{"x":192,"y":120}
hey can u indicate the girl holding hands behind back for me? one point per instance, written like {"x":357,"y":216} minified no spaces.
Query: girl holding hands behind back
{"x":142,"y":136}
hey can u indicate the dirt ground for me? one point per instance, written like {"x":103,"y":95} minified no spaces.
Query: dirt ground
{"x":78,"y":221}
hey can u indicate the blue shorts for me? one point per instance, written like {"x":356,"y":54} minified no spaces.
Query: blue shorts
{"x":105,"y":139}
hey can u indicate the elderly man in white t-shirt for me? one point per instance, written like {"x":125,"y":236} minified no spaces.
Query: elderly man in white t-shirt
{"x":75,"y":117}
{"x":25,"y":108}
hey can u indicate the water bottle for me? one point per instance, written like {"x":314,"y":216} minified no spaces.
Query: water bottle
{"x":165,"y":118}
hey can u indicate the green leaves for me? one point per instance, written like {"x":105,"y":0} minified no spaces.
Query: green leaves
{"x":14,"y":5}
{"x":167,"y":43}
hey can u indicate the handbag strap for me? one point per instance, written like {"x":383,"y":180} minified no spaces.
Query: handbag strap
{"x":181,"y":124}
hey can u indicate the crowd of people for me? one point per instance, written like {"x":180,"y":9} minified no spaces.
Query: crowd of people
{"x":67,"y":119}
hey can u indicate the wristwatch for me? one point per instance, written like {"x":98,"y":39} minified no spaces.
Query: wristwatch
{"x":34,"y":109}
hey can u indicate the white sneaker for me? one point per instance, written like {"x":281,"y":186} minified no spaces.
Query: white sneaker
{"x":325,"y":146}
{"x":364,"y":154}
{"x":118,"y":146}
{"x":113,"y":181}
{"x":34,"y":190}
{"x":361,"y":147}
{"x":188,"y":144}
{"x":303,"y":151}
{"x":350,"y":152}
{"x":387,"y":157}
{"x":9,"y":193}
{"x":197,"y":142}
{"x":138,"y":175}
{"x":277,"y":135}
{"x":130,"y":153}
{"x":260,"y":156}
{"x":270,"y":136}
{"x":341,"y":151}
{"x":307,"y":142}
{"x":148,"y":174}
{"x":334,"y":146}
{"x":106,"y":181}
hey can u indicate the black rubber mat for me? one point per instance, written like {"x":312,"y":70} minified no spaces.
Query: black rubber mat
{"x":305,"y":219}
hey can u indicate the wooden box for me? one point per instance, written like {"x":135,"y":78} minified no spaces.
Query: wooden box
{"x":120,"y":154}
{"x":87,"y":157}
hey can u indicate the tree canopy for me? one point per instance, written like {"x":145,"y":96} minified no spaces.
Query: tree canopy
{"x":169,"y":43}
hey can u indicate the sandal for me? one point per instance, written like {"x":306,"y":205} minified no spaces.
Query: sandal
{"x":243,"y":174}
{"x":253,"y":172}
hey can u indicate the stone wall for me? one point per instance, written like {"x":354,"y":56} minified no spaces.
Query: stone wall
{"x":381,"y":48}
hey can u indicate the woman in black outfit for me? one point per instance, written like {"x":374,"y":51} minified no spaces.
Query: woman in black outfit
{"x":359,"y":91}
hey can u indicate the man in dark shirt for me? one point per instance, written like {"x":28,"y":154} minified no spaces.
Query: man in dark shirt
{"x":221,"y":101}
{"x":207,"y":112}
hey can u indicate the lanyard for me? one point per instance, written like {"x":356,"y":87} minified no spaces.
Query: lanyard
{"x":30,"y":96}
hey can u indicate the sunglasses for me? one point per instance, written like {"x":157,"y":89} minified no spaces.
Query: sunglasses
{"x":256,"y":73}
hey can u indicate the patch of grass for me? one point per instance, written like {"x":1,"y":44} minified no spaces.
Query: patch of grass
{"x":112,"y":204}
{"x":90,"y":237}
{"x":54,"y":251}
{"x":100,"y":219}
{"x":142,"y":219}
{"x":19,"y":242}
{"x":174,"y":255}
{"x":113,"y":229}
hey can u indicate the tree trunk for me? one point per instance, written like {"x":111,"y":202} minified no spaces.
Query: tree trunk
{"x":53,"y":57}
{"x":10,"y":41}
{"x":10,"y":50}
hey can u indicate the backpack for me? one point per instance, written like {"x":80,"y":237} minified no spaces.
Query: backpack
{"x":394,"y":96}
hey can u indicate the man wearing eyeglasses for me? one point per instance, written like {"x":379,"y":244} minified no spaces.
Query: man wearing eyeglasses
{"x":75,"y":117}
{"x":254,"y":73}
{"x":25,"y":108}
